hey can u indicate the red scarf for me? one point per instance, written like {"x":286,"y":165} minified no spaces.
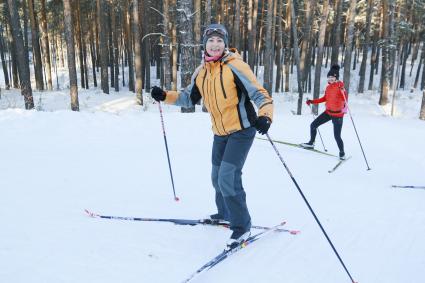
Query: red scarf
{"x":213,"y":58}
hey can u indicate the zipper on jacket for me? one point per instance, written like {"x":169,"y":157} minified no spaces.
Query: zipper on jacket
{"x":206,"y":93}
{"x":221,"y":81}
{"x":216,"y":103}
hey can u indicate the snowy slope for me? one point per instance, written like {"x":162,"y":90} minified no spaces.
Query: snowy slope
{"x":110,"y":158}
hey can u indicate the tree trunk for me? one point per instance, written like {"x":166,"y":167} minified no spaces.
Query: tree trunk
{"x":45,"y":44}
{"x":423,"y":74}
{"x":279,"y":48}
{"x":3,"y":61}
{"x":166,"y":45}
{"x":25,"y":20}
{"x":255,"y":38}
{"x":365,"y":47}
{"x":146,"y":63}
{"x":385,"y":71}
{"x":268,"y":53}
{"x":197,"y":26}
{"x":22,"y":58}
{"x":86,"y":76}
{"x":110,"y":44}
{"x":418,"y":70}
{"x":137,"y":53}
{"x":93,"y":54}
{"x":336,"y":32}
{"x":129,"y":46}
{"x":79,"y":42}
{"x":403,"y":69}
{"x":319,"y":59}
{"x":208,"y":12}
{"x":349,"y":44}
{"x":38,"y":68}
{"x":288,"y":49}
{"x":96,"y":36}
{"x":13,"y":62}
{"x":62,"y":60}
{"x":422,"y":114}
{"x":251,"y":34}
{"x":115,"y":44}
{"x":71,"y":54}
{"x":373,"y":63}
{"x":174,"y":53}
{"x":310,"y":6}
{"x":54,"y":58}
{"x":236,"y":26}
{"x":415,"y":52}
{"x":103,"y":46}
{"x":396,"y":80}
{"x":187,"y":63}
{"x":296,"y":56}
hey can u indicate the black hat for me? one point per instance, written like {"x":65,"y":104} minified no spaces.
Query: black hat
{"x":215,"y":30}
{"x":334,"y":71}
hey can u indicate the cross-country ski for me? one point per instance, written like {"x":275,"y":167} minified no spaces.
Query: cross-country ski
{"x":189,"y":222}
{"x":228,"y":252}
{"x":338,"y":164}
{"x":408,"y":187}
{"x":300,"y":146}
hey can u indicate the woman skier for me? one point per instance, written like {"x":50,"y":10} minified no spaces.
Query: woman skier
{"x":228,"y":87}
{"x":335,"y":99}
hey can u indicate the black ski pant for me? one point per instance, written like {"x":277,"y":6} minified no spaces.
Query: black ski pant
{"x":228,"y":158}
{"x":336,"y":121}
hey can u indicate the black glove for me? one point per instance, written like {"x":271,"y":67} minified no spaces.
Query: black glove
{"x":158,"y":94}
{"x":263,"y":124}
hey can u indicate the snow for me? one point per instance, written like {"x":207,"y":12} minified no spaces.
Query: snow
{"x":110,"y":158}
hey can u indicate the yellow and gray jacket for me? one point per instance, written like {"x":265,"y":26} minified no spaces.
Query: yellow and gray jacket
{"x":227,"y":86}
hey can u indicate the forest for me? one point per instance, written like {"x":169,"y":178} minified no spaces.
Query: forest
{"x":125,"y":44}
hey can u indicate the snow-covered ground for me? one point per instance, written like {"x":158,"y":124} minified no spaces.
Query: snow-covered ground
{"x":110,"y":158}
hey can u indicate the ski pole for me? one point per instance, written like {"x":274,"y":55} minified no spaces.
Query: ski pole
{"x":310,"y":208}
{"x":166,"y":148}
{"x":320,"y":135}
{"x":355,"y":129}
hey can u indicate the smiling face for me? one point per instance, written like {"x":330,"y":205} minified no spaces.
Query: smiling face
{"x":215,"y":46}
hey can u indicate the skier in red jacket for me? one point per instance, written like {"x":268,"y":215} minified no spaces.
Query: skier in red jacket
{"x":335,"y":98}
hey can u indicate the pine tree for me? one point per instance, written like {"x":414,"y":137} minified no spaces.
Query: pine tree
{"x":103,"y":45}
{"x":187,"y":63}
{"x":137,"y":52}
{"x":45,"y":44}
{"x":348,"y":44}
{"x":319,"y":59}
{"x":422,"y":114}
{"x":38,"y":68}
{"x":69,"y":36}
{"x":22,"y":58}
{"x":362,"y":73}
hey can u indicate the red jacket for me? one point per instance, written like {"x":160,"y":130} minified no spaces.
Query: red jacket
{"x":334,"y":98}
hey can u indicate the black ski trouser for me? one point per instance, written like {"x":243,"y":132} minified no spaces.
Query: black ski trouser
{"x":337,"y":123}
